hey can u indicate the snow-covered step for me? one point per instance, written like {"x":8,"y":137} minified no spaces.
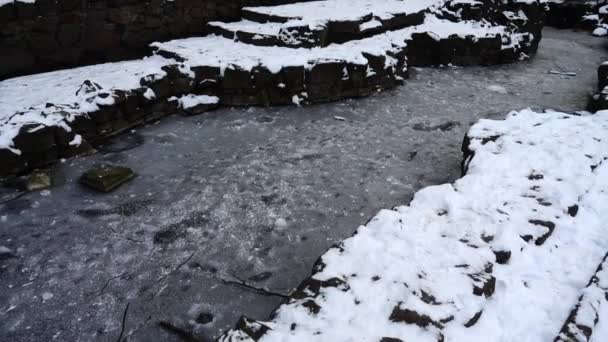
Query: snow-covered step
{"x":501,"y":255}
{"x":319,"y":13}
{"x":592,"y":307}
{"x":320,"y":23}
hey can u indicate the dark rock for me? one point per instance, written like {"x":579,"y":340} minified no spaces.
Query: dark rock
{"x":502,"y":257}
{"x":547,"y":224}
{"x":412,"y":317}
{"x":107,"y":178}
{"x":473,"y":320}
{"x":253,"y":329}
{"x":390,"y":339}
{"x":573,"y":210}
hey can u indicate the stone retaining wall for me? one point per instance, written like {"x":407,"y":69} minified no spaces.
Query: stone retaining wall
{"x":323,"y":82}
{"x":599,"y":100}
{"x":53,"y":34}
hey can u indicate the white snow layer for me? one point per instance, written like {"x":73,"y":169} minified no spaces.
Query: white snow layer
{"x":316,"y":13}
{"x":527,"y":175}
{"x":23,"y":100}
{"x":6,"y":2}
{"x":191,"y":100}
{"x":221,"y":52}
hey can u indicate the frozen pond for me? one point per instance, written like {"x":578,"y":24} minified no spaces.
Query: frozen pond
{"x":248,"y":195}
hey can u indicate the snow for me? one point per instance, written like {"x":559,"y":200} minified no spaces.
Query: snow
{"x":528,"y":173}
{"x":600,"y":31}
{"x":29,"y":95}
{"x":191,"y":100}
{"x":221,"y":52}
{"x":318,"y":13}
{"x":250,"y":26}
{"x":6,"y":2}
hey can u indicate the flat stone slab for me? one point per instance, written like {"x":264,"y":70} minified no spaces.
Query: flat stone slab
{"x":107,"y":178}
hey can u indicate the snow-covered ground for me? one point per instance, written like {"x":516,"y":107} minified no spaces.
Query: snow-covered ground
{"x":503,"y":254}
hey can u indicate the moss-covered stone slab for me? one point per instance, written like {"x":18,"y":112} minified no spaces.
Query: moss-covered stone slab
{"x":107,"y":177}
{"x":39,"y":180}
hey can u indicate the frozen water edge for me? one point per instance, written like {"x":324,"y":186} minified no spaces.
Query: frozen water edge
{"x":500,"y":255}
{"x":247,"y":169}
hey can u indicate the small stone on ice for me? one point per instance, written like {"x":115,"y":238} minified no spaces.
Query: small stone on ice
{"x":107,"y":178}
{"x":5,"y":252}
{"x":38,"y":180}
{"x":497,"y":89}
{"x":280,"y":223}
{"x":46,"y":296}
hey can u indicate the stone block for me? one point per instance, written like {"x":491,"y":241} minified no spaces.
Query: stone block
{"x":106,"y":178}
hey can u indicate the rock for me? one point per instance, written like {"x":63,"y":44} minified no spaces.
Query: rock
{"x":38,"y":180}
{"x":46,"y":296}
{"x":106,"y":178}
{"x":280,"y":223}
{"x":5,"y":253}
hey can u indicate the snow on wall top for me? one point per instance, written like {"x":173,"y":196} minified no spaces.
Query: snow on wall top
{"x":212,"y":50}
{"x":430,"y":271}
{"x":6,"y":2}
{"x":316,"y":13}
{"x":23,"y":100}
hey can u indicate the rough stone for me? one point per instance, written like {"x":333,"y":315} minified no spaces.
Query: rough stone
{"x":106,"y":178}
{"x":39,"y":180}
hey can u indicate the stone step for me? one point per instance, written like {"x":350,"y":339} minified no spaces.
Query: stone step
{"x":320,"y":23}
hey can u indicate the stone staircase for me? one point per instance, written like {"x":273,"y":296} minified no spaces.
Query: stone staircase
{"x":301,"y":53}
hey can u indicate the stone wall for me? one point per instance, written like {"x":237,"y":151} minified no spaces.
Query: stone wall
{"x":54,"y":34}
